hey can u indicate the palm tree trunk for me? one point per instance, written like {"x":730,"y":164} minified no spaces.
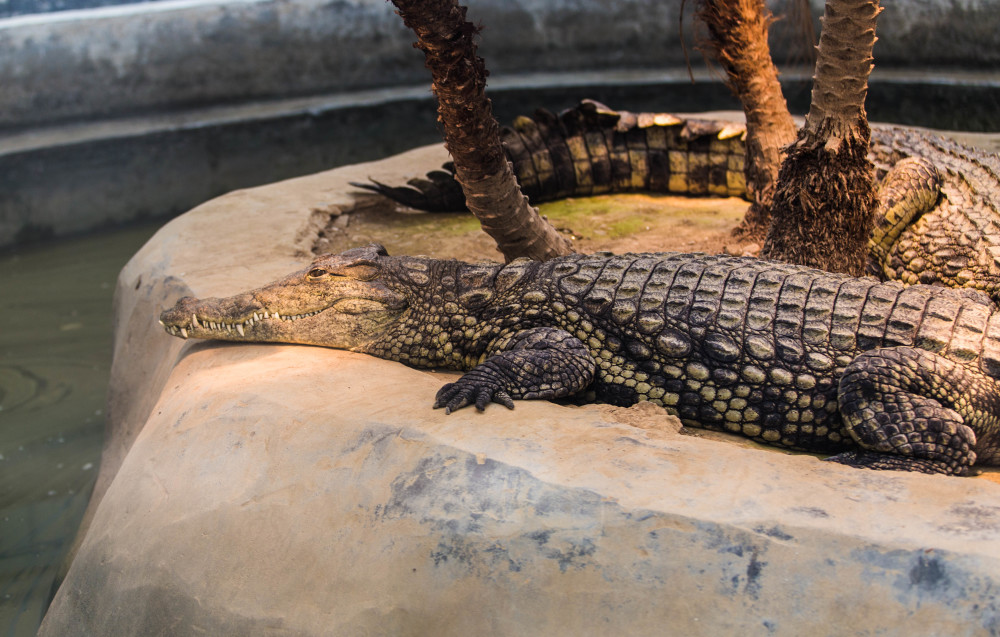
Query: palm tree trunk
{"x":472,"y":134}
{"x":823,"y":210}
{"x":738,"y":40}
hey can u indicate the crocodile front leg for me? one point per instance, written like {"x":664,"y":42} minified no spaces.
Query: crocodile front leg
{"x":910,"y":409}
{"x":538,"y":363}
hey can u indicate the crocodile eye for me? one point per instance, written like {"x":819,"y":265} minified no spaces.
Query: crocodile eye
{"x":316,"y":273}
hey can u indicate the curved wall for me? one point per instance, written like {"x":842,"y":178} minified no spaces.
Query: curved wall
{"x":164,"y":55}
{"x":181,"y":53}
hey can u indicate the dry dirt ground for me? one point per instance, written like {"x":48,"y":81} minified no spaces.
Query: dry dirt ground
{"x":619,"y":223}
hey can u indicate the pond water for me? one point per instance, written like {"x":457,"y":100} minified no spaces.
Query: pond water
{"x":55,"y":358}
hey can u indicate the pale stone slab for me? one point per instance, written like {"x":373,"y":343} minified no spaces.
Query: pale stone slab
{"x":296,"y":490}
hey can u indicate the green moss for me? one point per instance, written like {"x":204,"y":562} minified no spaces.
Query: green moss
{"x":576,"y":208}
{"x":452,"y":224}
{"x":616,"y":216}
{"x":627,"y":227}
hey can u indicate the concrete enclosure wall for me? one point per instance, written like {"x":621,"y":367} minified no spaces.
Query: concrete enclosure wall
{"x":123,"y":60}
{"x":180,"y":53}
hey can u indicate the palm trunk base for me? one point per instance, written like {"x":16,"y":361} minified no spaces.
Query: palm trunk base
{"x":823,"y":209}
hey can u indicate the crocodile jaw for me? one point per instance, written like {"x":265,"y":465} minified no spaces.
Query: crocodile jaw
{"x":342,"y":314}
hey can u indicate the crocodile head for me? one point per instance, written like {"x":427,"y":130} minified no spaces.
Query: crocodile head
{"x":338,"y":301}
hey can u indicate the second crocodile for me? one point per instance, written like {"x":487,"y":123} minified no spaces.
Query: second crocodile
{"x":939,"y":221}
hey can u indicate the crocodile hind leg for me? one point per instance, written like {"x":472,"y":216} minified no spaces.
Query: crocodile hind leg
{"x":538,"y":363}
{"x":910,"y":188}
{"x":911,"y":409}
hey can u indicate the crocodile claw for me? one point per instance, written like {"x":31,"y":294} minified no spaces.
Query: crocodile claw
{"x":464,"y":392}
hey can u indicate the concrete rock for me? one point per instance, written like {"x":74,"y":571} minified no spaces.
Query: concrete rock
{"x":269,"y":489}
{"x":313,"y":492}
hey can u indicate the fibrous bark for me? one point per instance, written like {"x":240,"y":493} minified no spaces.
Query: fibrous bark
{"x":738,"y":40}
{"x":823,"y":210}
{"x":472,"y":133}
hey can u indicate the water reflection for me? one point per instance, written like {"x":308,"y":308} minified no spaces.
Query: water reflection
{"x":55,"y":357}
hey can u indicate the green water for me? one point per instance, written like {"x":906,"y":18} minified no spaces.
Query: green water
{"x":55,"y":358}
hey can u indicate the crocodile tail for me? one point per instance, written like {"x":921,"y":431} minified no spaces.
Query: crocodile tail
{"x":592,"y":149}
{"x":910,"y":188}
{"x":438,"y":191}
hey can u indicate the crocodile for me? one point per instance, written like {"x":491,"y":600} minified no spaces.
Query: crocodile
{"x":939,"y":216}
{"x":882,"y":375}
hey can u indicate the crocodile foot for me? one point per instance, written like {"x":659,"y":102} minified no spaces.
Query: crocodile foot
{"x":537,"y":363}
{"x":912,"y":409}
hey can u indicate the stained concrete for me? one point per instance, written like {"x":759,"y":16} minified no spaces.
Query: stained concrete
{"x":268,"y":489}
{"x":116,"y":61}
{"x":150,"y":57}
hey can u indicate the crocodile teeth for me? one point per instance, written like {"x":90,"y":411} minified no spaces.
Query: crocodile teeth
{"x":275,"y":315}
{"x":184,"y":333}
{"x":194,"y":321}
{"x":256,"y":317}
{"x":239,"y":328}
